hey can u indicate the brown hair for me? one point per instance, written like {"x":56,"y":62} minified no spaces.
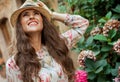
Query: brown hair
{"x":26,"y":57}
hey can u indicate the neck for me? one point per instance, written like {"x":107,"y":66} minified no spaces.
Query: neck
{"x":35,"y":39}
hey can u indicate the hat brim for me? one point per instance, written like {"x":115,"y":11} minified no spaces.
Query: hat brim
{"x":16,"y":14}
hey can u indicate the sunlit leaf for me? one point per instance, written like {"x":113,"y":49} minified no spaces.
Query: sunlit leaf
{"x":100,"y":37}
{"x":108,"y":15}
{"x":112,"y":33}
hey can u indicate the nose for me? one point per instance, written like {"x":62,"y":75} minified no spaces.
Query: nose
{"x":31,"y":16}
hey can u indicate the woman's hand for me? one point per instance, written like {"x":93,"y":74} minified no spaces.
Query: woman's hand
{"x":41,"y":4}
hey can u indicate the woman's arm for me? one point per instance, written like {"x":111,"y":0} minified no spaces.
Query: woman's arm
{"x":77,"y":22}
{"x":70,"y":20}
{"x":59,"y":16}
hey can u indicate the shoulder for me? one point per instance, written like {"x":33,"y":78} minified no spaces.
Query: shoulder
{"x":12,"y":71}
{"x":10,"y":64}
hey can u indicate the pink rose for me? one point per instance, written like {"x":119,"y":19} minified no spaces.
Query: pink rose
{"x":80,"y":76}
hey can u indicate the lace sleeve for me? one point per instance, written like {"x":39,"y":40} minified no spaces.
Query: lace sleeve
{"x":75,"y":21}
{"x":79,"y":26}
{"x":71,"y":37}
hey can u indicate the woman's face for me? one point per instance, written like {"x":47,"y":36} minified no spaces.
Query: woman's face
{"x":31,"y":21}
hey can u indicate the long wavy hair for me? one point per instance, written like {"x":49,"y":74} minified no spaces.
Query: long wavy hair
{"x":26,"y":57}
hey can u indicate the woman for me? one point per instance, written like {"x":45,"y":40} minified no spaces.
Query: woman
{"x":40,"y":54}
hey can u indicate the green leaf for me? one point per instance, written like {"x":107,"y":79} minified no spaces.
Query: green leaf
{"x":96,"y":52}
{"x":112,"y":33}
{"x":106,"y":48}
{"x":89,"y":29}
{"x":91,"y":75}
{"x":106,"y":18}
{"x":89,"y":40}
{"x":88,"y":70}
{"x":100,"y":63}
{"x":100,"y":37}
{"x":117,"y":8}
{"x":81,"y":40}
{"x":102,"y":20}
{"x":107,"y":69}
{"x":115,"y":16}
{"x":99,"y":70}
{"x":114,"y":72}
{"x":111,"y":43}
{"x":108,"y":15}
{"x":90,"y":64}
{"x":104,"y":55}
{"x":81,"y":47}
{"x":96,"y":49}
{"x":117,"y":65}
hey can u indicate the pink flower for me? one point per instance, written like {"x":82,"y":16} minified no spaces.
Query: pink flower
{"x":80,"y":76}
{"x":117,"y":79}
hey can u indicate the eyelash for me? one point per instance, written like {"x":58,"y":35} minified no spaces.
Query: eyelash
{"x":25,"y":14}
{"x":37,"y":13}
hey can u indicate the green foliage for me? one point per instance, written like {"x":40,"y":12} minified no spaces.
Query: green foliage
{"x":98,"y":12}
{"x":35,"y":0}
{"x":105,"y":68}
{"x":91,"y":9}
{"x":106,"y":18}
{"x":117,"y":9}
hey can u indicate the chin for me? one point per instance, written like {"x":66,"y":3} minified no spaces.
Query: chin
{"x":34,"y":31}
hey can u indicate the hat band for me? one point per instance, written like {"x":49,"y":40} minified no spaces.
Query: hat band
{"x":28,"y":5}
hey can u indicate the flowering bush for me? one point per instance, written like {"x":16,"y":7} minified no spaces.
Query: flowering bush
{"x":103,"y":43}
{"x":100,"y":39}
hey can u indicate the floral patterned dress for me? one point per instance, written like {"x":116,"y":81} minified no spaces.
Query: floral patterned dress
{"x":50,"y":71}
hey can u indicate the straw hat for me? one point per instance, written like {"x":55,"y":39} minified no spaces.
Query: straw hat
{"x":28,"y":4}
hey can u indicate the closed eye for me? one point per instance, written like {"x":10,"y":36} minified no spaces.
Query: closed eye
{"x":24,"y":14}
{"x":36,"y":12}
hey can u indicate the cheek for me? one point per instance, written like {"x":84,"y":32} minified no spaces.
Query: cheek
{"x":23,"y":23}
{"x":41,"y":22}
{"x":40,"y":27}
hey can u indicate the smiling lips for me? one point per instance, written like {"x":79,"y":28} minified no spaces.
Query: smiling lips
{"x":32,"y":23}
